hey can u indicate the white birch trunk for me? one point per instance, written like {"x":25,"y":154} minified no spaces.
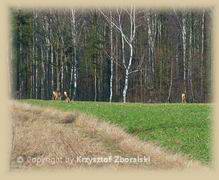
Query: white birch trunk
{"x":74,"y":64}
{"x":127,"y":71}
{"x":52,"y":67}
{"x":36,"y":78}
{"x":36,"y":61}
{"x":190,"y":61}
{"x":126,"y":85}
{"x":33,"y":55}
{"x":184,"y":50}
{"x":62,"y":63}
{"x":130,"y":44}
{"x":47,"y":62}
{"x":129,"y":41}
{"x":71,"y":79}
{"x":111,"y":58}
{"x":62,"y":74}
{"x":116,"y":68}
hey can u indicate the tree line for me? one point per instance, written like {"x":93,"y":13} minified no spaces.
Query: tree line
{"x":119,"y":55}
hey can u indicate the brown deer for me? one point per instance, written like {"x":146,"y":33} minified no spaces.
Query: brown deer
{"x":183,"y":98}
{"x":67,"y":99}
{"x":56,"y":95}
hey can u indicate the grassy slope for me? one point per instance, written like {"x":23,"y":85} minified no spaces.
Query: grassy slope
{"x":181,"y":128}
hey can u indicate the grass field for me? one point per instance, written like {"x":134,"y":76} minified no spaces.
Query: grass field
{"x":184,"y":128}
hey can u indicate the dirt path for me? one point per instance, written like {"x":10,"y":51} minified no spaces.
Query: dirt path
{"x":48,"y":138}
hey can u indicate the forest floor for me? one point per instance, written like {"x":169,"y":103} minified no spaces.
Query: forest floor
{"x":50,"y":138}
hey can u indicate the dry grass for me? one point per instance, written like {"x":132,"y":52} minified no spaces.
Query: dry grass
{"x":47,"y":134}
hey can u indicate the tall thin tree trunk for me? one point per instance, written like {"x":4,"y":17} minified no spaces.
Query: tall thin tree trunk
{"x":52,"y":67}
{"x":62,"y":73}
{"x":62,"y":63}
{"x":171,"y":81}
{"x":184,"y":51}
{"x":42,"y":78}
{"x":151,"y":20}
{"x":126,"y":86}
{"x":111,"y":58}
{"x":36,"y":55}
{"x":36,"y":76}
{"x":190,"y":61}
{"x":20,"y":65}
{"x":127,"y":74}
{"x":71,"y":80}
{"x":116,"y":67}
{"x":33,"y":60}
{"x":57,"y":72}
{"x":202,"y":56}
{"x":46,"y":75}
{"x":149,"y":64}
{"x":74,"y":69}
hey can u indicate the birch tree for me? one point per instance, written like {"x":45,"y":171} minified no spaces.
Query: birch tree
{"x":111,"y":57}
{"x":36,"y":61}
{"x":182,"y":25}
{"x":128,"y":39}
{"x":171,"y":79}
{"x":74,"y":59}
{"x":190,"y":67}
{"x":130,"y":44}
{"x":184,"y":50}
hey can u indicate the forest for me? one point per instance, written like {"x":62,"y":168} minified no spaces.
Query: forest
{"x":115,"y":55}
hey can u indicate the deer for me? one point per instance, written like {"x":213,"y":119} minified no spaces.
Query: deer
{"x":56,"y":95}
{"x":67,"y":99}
{"x":183,"y":98}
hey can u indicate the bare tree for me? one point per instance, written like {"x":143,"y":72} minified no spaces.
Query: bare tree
{"x":36,"y":61}
{"x":74,"y":63}
{"x":111,"y":58}
{"x":182,"y":25}
{"x":171,"y":79}
{"x":190,"y":59}
{"x":184,"y":50}
{"x":127,"y":38}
